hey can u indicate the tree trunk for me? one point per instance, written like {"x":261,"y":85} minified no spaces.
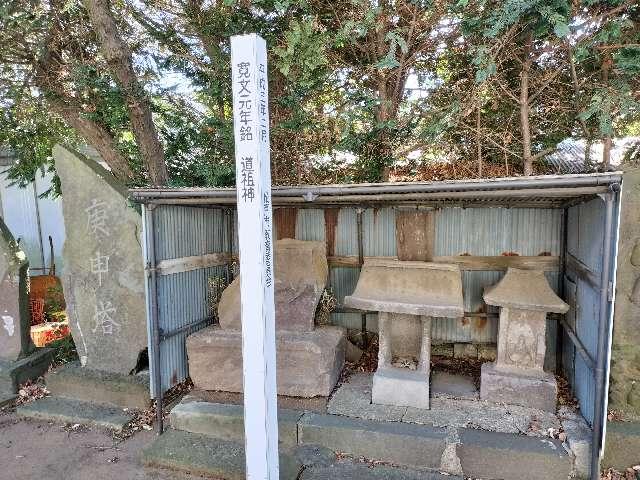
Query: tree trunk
{"x":478,"y":142}
{"x":118,"y":58}
{"x":96,"y":136}
{"x":606,"y":147}
{"x":525,"y":126}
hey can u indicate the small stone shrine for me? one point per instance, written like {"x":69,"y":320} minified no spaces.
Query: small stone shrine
{"x":309,"y":357}
{"x":517,"y":376}
{"x":406,"y":296}
{"x":104,"y":269}
{"x":19,"y":358}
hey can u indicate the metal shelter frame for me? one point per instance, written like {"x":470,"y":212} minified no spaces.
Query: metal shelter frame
{"x":560,"y":192}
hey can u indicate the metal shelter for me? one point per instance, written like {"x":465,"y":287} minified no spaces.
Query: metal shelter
{"x":564,"y":225}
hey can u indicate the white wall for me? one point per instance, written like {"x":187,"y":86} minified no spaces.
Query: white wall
{"x":33,"y":219}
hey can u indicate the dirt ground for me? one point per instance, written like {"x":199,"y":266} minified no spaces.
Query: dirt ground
{"x":31,"y":450}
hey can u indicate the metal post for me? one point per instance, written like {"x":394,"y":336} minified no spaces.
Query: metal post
{"x":561,"y":286}
{"x":603,"y":340}
{"x":363,"y":316}
{"x":154,"y":355}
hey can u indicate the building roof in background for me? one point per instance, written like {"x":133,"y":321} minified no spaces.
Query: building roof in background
{"x":569,"y":158}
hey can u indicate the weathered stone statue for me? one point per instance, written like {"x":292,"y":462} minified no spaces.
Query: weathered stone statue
{"x":406,"y":295}
{"x":517,"y":376}
{"x":309,"y":358}
{"x":104,"y":272}
{"x":19,"y":358}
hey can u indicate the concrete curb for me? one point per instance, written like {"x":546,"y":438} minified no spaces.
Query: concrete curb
{"x":398,"y":443}
{"x":622,"y":448}
{"x":204,"y":455}
{"x":225,"y":422}
{"x":73,"y":411}
{"x":88,"y":385}
{"x":512,"y":457}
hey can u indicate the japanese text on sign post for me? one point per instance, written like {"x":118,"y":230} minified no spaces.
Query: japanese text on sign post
{"x":253,"y":186}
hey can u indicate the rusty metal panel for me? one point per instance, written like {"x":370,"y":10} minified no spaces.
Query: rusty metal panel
{"x":284,"y":222}
{"x":415,"y":234}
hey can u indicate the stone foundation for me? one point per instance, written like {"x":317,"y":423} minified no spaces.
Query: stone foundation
{"x":538,"y":390}
{"x":401,"y":387}
{"x":308,"y":364}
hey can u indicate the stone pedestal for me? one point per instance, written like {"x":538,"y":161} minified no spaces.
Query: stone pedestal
{"x":308,"y":364}
{"x":309,"y":358}
{"x":406,"y":295}
{"x":517,"y":376}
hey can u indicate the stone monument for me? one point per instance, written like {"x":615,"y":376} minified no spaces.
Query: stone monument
{"x":19,"y":358}
{"x":104,"y":271}
{"x":406,"y":296}
{"x":517,"y":376}
{"x":309,"y":358}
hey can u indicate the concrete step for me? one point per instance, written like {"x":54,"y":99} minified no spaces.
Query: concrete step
{"x":95,"y":386}
{"x":225,"y":422}
{"x":360,"y":471}
{"x":64,"y":410}
{"x":203,"y":455}
{"x":476,"y":453}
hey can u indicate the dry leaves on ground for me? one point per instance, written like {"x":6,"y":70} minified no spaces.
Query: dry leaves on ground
{"x":632,"y":473}
{"x":31,"y":391}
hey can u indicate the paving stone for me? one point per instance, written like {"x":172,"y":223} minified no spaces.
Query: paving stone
{"x":359,"y":471}
{"x":354,"y":400}
{"x":459,"y":386}
{"x":225,"y":422}
{"x":97,"y":386}
{"x":490,"y":455}
{"x":394,"y":442}
{"x":64,"y":410}
{"x":204,"y":455}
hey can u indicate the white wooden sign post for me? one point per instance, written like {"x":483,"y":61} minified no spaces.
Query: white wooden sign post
{"x":253,"y":185}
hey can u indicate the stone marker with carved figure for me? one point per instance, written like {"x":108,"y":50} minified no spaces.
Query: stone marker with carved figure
{"x":517,"y":376}
{"x":309,"y":357}
{"x":19,"y":358}
{"x":406,"y":295}
{"x":104,"y":271}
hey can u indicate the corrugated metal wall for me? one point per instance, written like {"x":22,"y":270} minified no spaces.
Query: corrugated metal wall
{"x":585,"y":230}
{"x":183,"y":297}
{"x":182,"y":231}
{"x":475,"y":231}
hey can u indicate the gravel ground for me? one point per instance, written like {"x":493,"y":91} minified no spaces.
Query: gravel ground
{"x":31,"y":450}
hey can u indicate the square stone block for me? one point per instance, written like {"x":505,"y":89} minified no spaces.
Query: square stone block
{"x":401,"y":387}
{"x":513,"y":387}
{"x":308,"y":364}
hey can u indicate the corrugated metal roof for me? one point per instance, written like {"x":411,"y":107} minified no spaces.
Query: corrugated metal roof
{"x":547,"y":191}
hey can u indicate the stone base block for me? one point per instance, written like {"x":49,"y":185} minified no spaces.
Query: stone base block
{"x":400,"y":387}
{"x":308,"y":364}
{"x":515,"y":388}
{"x":12,"y":374}
{"x":95,"y":386}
